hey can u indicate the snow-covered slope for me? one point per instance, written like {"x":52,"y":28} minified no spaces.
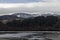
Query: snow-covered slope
{"x":25,"y":15}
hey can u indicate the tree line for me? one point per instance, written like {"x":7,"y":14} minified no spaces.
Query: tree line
{"x":39,"y":23}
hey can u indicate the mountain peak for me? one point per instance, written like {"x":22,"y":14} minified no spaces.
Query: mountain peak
{"x":25,"y":15}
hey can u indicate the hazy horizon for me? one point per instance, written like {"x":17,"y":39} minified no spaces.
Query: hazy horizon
{"x":29,"y":6}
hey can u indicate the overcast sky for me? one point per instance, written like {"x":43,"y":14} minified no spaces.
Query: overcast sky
{"x":29,"y":6}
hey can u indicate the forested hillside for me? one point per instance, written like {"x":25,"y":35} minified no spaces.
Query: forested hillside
{"x":39,"y":23}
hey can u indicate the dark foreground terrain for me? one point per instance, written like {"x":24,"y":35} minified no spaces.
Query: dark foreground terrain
{"x":39,"y":23}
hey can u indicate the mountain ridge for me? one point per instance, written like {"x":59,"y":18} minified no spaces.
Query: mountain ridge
{"x":23,"y":15}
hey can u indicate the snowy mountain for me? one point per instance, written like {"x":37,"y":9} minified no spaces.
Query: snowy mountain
{"x":17,"y":16}
{"x":24,"y":15}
